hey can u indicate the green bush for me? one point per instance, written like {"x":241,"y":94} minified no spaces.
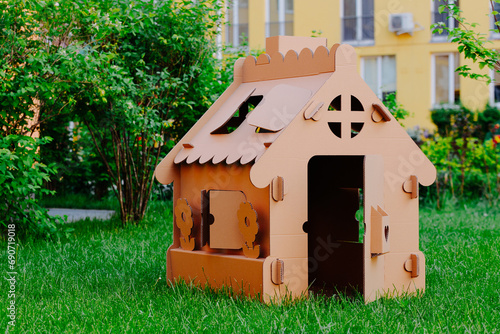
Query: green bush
{"x":453,"y":120}
{"x":488,"y":121}
{"x":80,"y":170}
{"x":460,"y":122}
{"x":21,"y":183}
{"x":465,"y":153}
{"x":397,"y":109}
{"x":467,"y":169}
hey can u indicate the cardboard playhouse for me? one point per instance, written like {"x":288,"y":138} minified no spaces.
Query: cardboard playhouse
{"x":297,"y":179}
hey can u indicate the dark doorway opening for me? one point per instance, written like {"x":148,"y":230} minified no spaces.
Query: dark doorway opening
{"x":335,"y":236}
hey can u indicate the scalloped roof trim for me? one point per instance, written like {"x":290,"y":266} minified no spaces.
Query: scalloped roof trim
{"x":292,"y":65}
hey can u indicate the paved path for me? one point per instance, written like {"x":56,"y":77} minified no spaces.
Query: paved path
{"x":79,"y":214}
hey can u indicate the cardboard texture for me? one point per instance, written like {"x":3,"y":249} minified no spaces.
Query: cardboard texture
{"x":224,"y":231}
{"x":184,"y":221}
{"x":247,"y":222}
{"x":270,"y":183}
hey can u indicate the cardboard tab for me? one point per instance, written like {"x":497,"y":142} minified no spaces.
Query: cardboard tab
{"x":380,"y":113}
{"x":413,"y":265}
{"x":277,"y":271}
{"x":411,"y":186}
{"x":278,"y":189}
{"x":313,"y":111}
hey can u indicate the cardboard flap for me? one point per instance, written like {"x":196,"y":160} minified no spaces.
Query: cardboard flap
{"x":380,"y":240}
{"x":279,"y":107}
{"x":225,"y":116}
{"x":373,"y":198}
{"x":224,"y":232}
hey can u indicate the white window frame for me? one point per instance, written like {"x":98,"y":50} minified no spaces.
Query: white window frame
{"x":359,"y":41}
{"x":290,"y":11}
{"x":379,"y":91}
{"x":451,"y":23}
{"x":492,"y":90}
{"x":235,"y":24}
{"x":282,"y":11}
{"x":451,"y":78}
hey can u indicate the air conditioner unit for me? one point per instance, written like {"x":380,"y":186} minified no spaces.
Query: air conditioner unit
{"x":401,"y":23}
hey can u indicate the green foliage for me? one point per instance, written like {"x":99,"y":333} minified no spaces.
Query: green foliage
{"x":80,"y":169}
{"x":105,"y":278}
{"x":460,"y":122}
{"x":455,"y":121}
{"x":488,"y":122}
{"x":32,"y":87}
{"x":465,"y":154}
{"x":472,"y":45}
{"x":397,"y":109}
{"x":467,"y":168}
{"x":138,"y":74}
{"x":21,"y":179}
{"x":465,"y":151}
{"x":316,"y":33}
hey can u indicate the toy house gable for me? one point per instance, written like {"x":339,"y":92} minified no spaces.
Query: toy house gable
{"x":341,"y":143}
{"x":344,"y":117}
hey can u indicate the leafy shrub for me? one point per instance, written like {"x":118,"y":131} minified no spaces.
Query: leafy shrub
{"x":465,"y":153}
{"x":487,"y":121}
{"x":454,"y":121}
{"x":397,"y":110}
{"x":21,"y":179}
{"x":458,"y":121}
{"x":80,"y":170}
{"x":466,"y":169}
{"x":137,"y":74}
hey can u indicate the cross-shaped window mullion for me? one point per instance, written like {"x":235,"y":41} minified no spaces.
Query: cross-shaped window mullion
{"x":346,"y":117}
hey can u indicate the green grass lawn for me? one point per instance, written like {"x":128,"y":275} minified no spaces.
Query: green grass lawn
{"x":106,"y":279}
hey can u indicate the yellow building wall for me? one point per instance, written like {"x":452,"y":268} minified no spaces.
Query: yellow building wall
{"x":413,"y":53}
{"x":257,"y":26}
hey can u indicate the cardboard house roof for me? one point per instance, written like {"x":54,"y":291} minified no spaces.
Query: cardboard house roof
{"x":292,"y":95}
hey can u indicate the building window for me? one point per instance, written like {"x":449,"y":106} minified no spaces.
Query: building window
{"x":445,"y":81}
{"x":380,"y":74}
{"x":279,"y":18}
{"x":449,"y":22}
{"x":495,"y":88}
{"x":237,"y":22}
{"x":357,"y":21}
